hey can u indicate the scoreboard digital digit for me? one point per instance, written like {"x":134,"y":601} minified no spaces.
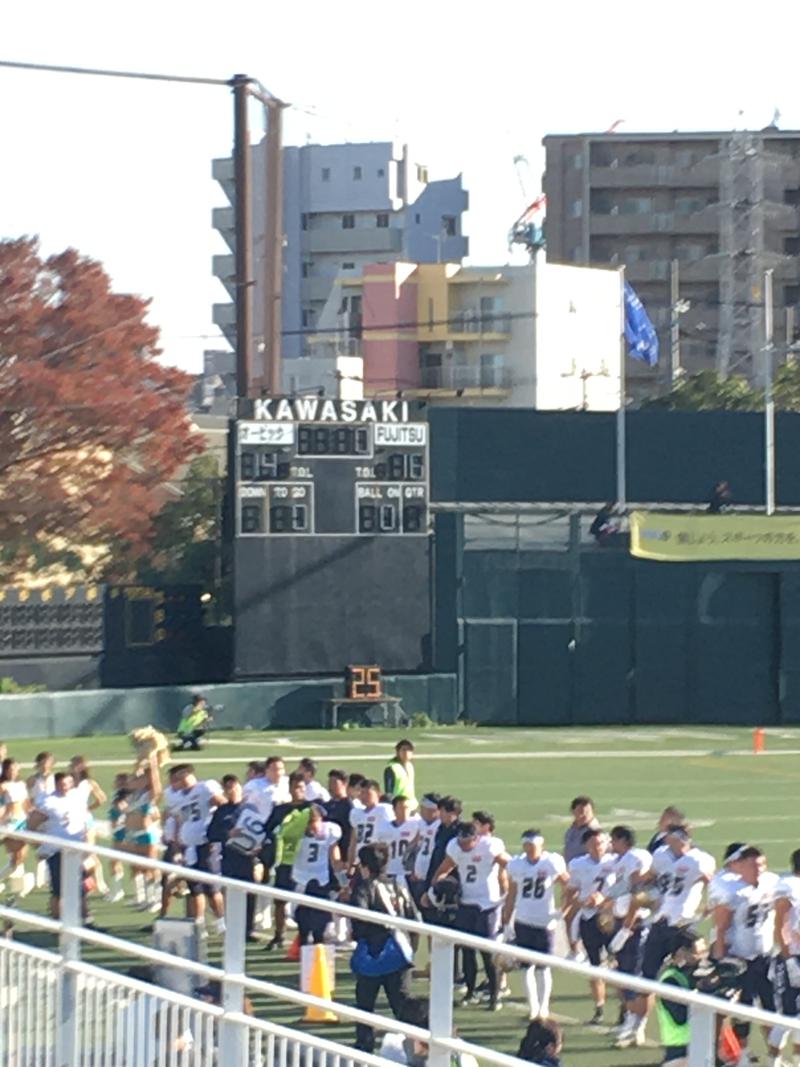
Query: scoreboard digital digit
{"x":322,"y":467}
{"x":331,"y":535}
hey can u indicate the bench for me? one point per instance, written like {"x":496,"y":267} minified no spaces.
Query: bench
{"x":390,"y":707}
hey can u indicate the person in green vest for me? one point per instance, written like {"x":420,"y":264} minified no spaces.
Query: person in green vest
{"x":673,"y":1018}
{"x":194,"y":723}
{"x":286,"y":827}
{"x":398,"y":776}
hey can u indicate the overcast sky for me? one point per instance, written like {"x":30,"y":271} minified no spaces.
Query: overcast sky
{"x":122,"y":170}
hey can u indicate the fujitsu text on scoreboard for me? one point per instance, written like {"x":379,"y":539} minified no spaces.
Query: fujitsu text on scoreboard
{"x":331,"y":534}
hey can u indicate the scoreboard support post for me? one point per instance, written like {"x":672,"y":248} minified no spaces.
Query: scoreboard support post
{"x":331,"y":535}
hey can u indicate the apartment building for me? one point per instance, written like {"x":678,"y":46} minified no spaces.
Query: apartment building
{"x":724,"y":206}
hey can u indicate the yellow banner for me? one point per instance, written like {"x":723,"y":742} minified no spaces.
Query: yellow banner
{"x":689,"y":538}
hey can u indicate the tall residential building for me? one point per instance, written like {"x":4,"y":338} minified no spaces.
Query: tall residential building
{"x":344,"y":206}
{"x":539,"y":335}
{"x":725,"y":206}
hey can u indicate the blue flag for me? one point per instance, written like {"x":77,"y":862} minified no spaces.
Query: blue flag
{"x":639,"y":331}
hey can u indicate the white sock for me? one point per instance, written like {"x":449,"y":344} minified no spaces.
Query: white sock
{"x":139,"y":888}
{"x":544,"y":985}
{"x":220,"y":926}
{"x":19,"y":871}
{"x":532,"y":990}
{"x":42,"y":874}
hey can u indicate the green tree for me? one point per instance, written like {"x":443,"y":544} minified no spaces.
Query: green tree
{"x":708,"y":391}
{"x":186,"y":545}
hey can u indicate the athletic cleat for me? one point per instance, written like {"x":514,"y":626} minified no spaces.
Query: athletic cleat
{"x":469,"y":999}
{"x":597,"y":1017}
{"x":276,"y":942}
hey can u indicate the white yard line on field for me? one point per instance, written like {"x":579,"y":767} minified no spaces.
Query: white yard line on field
{"x":322,"y":753}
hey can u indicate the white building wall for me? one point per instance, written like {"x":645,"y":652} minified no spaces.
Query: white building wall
{"x":578,"y":326}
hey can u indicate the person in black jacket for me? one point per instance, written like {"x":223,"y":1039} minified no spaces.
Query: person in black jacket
{"x":450,"y":809}
{"x":235,"y":864}
{"x":373,"y":892}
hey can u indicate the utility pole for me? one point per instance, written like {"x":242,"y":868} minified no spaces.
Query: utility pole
{"x":273,"y":250}
{"x":243,"y":226}
{"x":769,"y":402}
{"x":674,"y":324}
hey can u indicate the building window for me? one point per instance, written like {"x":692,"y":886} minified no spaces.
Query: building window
{"x":381,"y":172}
{"x":348,"y":266}
{"x":417,"y":218}
{"x":422,"y":174}
{"x":326,"y":174}
{"x":492,"y":371}
{"x":577,"y":161}
{"x":356,"y":174}
{"x":308,"y":318}
{"x":449,"y":225}
{"x":306,"y":268}
{"x":382,"y":221}
{"x":576,"y":209}
{"x":791,"y":246}
{"x":304,"y":221}
{"x":348,"y":222}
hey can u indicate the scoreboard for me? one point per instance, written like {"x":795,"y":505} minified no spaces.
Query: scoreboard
{"x":331,"y":545}
{"x":320,"y":467}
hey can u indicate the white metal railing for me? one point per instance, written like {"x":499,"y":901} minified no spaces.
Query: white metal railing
{"x":56,"y":1021}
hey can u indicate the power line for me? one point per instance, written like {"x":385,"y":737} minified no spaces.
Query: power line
{"x":104,"y":73}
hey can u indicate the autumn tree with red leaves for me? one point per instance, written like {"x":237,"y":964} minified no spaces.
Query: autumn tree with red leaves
{"x":92,"y":426}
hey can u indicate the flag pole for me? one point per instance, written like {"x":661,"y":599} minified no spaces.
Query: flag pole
{"x":769,"y":402}
{"x":621,"y":452}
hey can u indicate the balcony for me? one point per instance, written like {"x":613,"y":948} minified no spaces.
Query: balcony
{"x":369,"y":239}
{"x":224,"y":268}
{"x":222,"y":219}
{"x":619,"y":223}
{"x":470,"y":325}
{"x":648,"y":176}
{"x":466,"y":376}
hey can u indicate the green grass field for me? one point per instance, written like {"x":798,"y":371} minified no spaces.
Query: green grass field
{"x":526,"y":777}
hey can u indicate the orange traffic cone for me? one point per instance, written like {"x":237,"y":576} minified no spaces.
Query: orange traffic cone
{"x":319,"y":985}
{"x":293,"y":951}
{"x":730,"y":1048}
{"x":758,"y":739}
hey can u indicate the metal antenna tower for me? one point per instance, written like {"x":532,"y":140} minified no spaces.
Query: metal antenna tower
{"x":742,"y":246}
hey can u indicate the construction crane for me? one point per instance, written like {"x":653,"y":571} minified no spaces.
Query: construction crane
{"x":528,"y":230}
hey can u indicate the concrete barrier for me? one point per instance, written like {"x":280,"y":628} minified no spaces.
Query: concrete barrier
{"x":281,"y":704}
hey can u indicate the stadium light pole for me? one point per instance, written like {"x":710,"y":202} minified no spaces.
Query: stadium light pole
{"x":243,"y":87}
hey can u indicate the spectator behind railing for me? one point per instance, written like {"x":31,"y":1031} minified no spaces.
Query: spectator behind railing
{"x":721,"y":498}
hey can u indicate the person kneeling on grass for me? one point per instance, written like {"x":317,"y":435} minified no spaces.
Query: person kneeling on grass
{"x":194,"y":723}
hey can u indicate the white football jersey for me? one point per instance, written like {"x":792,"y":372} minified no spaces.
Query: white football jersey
{"x":263,"y":795}
{"x":535,"y":904}
{"x":752,"y":929}
{"x":248,"y":832}
{"x":788,"y":888}
{"x":588,"y":875}
{"x":427,"y":836}
{"x":679,"y":881}
{"x":316,"y":792}
{"x":398,"y":840}
{"x":628,"y":867}
{"x":312,"y":859}
{"x":13,"y":792}
{"x":720,"y":886}
{"x":366,"y":823}
{"x":480,"y":884}
{"x":195,"y":811}
{"x":66,"y":818}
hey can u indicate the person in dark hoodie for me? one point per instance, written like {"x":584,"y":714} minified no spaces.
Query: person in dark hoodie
{"x":541,"y":1044}
{"x":371,"y":962}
